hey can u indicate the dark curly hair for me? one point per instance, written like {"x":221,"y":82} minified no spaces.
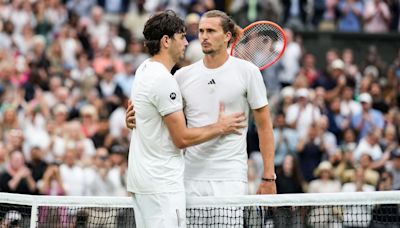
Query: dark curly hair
{"x":159,"y":25}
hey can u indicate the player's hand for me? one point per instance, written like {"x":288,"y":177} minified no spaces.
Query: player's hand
{"x":267,"y":188}
{"x":230,"y":124}
{"x":130,"y":120}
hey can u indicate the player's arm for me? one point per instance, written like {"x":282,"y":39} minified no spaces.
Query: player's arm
{"x":183,"y":137}
{"x":130,"y":116}
{"x":267,"y":147}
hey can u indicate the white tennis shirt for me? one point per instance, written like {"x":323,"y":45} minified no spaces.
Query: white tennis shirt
{"x":239,"y":85}
{"x":155,"y":164}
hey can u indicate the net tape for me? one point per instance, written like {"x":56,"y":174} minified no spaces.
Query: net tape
{"x":294,"y":210}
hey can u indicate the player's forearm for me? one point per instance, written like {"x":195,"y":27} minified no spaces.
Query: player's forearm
{"x":266,"y":139}
{"x":194,"y":136}
{"x":267,"y":148}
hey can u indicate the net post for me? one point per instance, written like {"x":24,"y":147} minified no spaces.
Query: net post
{"x":34,"y":215}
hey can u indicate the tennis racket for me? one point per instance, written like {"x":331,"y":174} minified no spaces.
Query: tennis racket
{"x":262,"y":43}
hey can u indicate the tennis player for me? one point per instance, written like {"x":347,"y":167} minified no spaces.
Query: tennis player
{"x":219,"y":167}
{"x":156,"y":164}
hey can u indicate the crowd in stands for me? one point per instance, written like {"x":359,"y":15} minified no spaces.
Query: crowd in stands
{"x":67,"y":67}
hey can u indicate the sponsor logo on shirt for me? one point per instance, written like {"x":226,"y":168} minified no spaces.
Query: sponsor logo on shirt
{"x":172,"y":96}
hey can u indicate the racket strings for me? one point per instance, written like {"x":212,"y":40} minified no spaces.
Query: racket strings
{"x":261,"y":44}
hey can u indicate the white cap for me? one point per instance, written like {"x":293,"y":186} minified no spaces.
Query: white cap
{"x":337,"y":64}
{"x":288,"y":91}
{"x":303,"y":92}
{"x":365,"y":97}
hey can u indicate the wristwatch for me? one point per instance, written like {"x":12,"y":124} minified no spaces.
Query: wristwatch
{"x":269,"y":179}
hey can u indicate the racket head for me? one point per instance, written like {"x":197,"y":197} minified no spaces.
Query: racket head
{"x":262,"y":43}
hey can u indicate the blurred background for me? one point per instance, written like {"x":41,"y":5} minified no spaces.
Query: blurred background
{"x":67,"y":68}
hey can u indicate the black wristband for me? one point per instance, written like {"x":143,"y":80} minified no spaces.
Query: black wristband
{"x":268,"y":179}
{"x":273,"y":179}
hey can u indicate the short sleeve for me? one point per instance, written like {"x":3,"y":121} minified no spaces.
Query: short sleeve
{"x":166,"y":97}
{"x":256,"y":91}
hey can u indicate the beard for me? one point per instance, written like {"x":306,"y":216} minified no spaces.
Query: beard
{"x":208,"y":51}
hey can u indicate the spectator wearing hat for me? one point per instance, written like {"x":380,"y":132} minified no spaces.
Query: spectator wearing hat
{"x":325,"y":181}
{"x":368,"y":118}
{"x":302,"y":113}
{"x":334,"y":81}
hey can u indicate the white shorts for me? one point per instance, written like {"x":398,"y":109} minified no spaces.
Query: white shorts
{"x":224,"y":217}
{"x":215,"y":188}
{"x":160,"y":210}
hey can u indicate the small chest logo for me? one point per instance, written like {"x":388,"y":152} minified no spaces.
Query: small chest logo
{"x":172,"y":96}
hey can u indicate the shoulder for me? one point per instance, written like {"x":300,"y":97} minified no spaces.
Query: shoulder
{"x":193,"y":66}
{"x":240,"y":63}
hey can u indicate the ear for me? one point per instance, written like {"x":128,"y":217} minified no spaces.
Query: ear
{"x":165,"y":41}
{"x":228,"y":37}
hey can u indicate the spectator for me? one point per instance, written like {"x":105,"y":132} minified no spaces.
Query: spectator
{"x":368,"y":118}
{"x":376,"y":16}
{"x":335,"y":81}
{"x":51,"y":183}
{"x":351,"y":13}
{"x":290,"y":61}
{"x":294,"y":14}
{"x":328,"y":139}
{"x":302,"y":114}
{"x":310,"y":151}
{"x":348,"y":106}
{"x":97,"y":177}
{"x":325,"y":181}
{"x":72,"y":174}
{"x":290,"y":178}
{"x":285,"y":140}
{"x":17,"y":178}
{"x":337,"y":123}
{"x":309,"y":69}
{"x":109,"y":91}
{"x":394,"y":169}
{"x":37,"y":165}
{"x":369,"y":145}
{"x":370,"y":177}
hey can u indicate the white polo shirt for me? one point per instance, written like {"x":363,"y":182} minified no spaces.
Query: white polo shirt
{"x":239,"y":85}
{"x":155,"y":164}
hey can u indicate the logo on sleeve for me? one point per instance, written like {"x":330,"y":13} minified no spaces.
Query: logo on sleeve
{"x":172,"y":96}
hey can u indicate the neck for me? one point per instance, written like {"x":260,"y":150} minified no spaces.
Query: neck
{"x":215,"y":60}
{"x":165,"y":60}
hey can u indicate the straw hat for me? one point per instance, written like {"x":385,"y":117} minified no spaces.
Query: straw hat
{"x":325,"y":165}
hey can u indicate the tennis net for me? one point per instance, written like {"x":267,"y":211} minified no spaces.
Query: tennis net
{"x":374,"y":209}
